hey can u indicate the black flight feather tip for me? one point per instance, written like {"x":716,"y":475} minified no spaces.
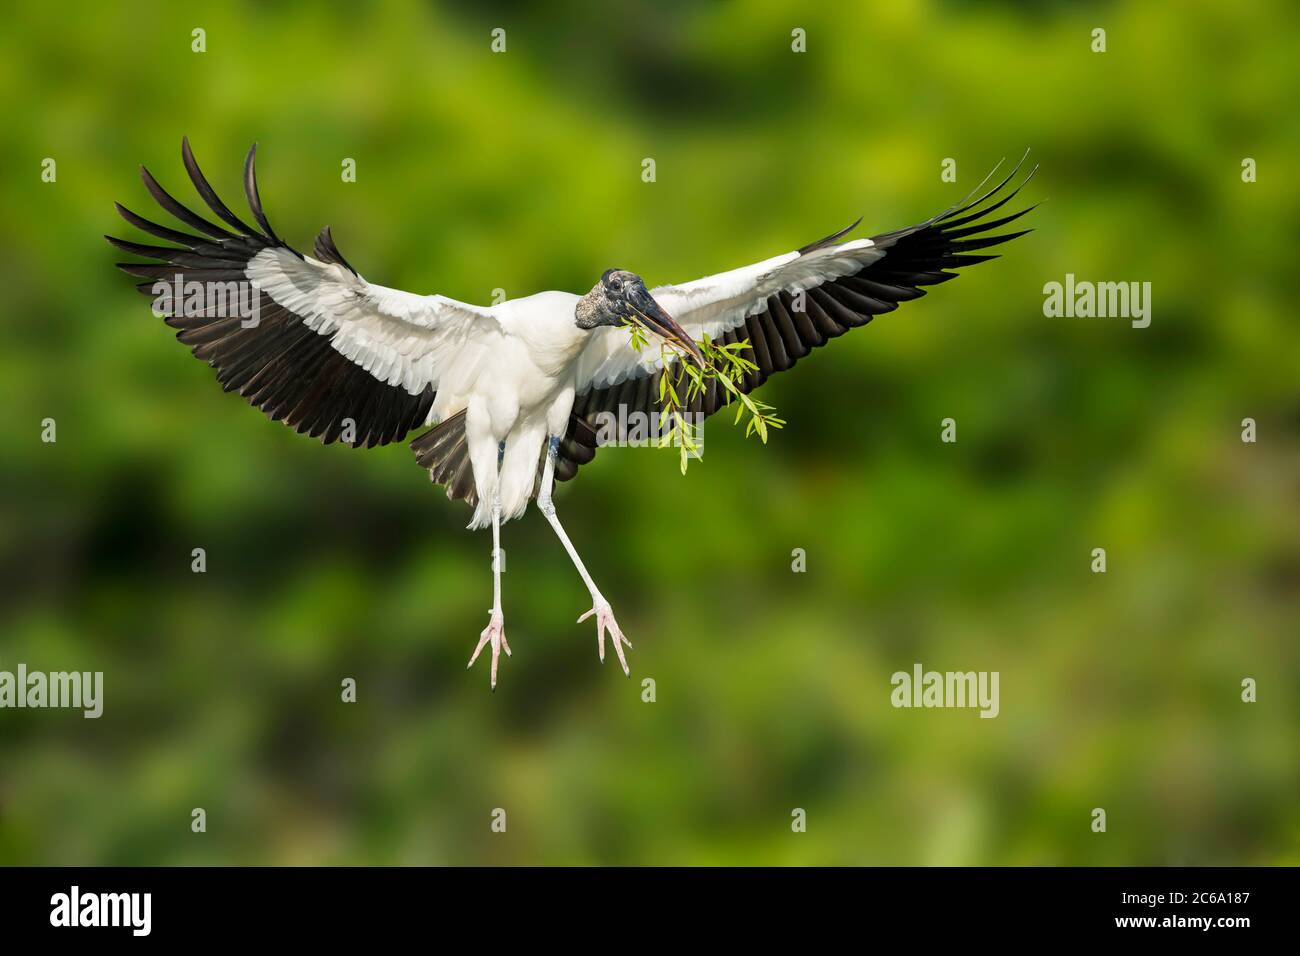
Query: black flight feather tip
{"x":279,"y":364}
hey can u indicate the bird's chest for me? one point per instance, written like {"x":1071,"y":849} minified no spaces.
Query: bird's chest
{"x":525,"y":382}
{"x":533,"y":369}
{"x":544,"y":346}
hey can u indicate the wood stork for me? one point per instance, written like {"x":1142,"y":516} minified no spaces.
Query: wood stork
{"x":517,"y":393}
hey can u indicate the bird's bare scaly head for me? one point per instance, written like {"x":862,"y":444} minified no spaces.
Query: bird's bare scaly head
{"x":621,"y":296}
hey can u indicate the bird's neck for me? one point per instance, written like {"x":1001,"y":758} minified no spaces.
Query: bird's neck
{"x":585,"y":313}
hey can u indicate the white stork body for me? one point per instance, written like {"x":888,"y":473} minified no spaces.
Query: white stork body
{"x":521,"y":395}
{"x":514,"y":392}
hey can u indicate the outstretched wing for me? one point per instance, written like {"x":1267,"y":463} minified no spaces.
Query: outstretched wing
{"x":307,"y":340}
{"x":839,"y":286}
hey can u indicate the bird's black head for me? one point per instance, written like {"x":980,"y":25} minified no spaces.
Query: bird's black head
{"x":620,"y":296}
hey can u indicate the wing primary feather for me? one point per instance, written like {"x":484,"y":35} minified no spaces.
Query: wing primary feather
{"x":171,"y":253}
{"x":829,"y":240}
{"x":962,"y":204}
{"x":164,"y":232}
{"x":208,"y":194}
{"x":969,"y":207}
{"x":165,"y":199}
{"x":961,"y":245}
{"x":254,"y":197}
{"x":985,"y":226}
{"x":165,"y":270}
{"x":950,"y":223}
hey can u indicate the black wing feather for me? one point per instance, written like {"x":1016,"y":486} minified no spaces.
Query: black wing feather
{"x":778,"y":336}
{"x":279,"y":365}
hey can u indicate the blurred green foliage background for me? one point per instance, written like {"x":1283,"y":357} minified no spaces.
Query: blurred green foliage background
{"x":522,"y":171}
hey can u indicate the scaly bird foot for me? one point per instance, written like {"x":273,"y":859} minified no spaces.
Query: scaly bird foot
{"x":495,"y":633}
{"x":605,"y":619}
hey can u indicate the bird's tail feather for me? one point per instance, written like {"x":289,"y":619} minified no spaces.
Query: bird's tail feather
{"x":444,"y":451}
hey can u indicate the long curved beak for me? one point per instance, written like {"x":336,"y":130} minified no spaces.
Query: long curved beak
{"x":649,"y":315}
